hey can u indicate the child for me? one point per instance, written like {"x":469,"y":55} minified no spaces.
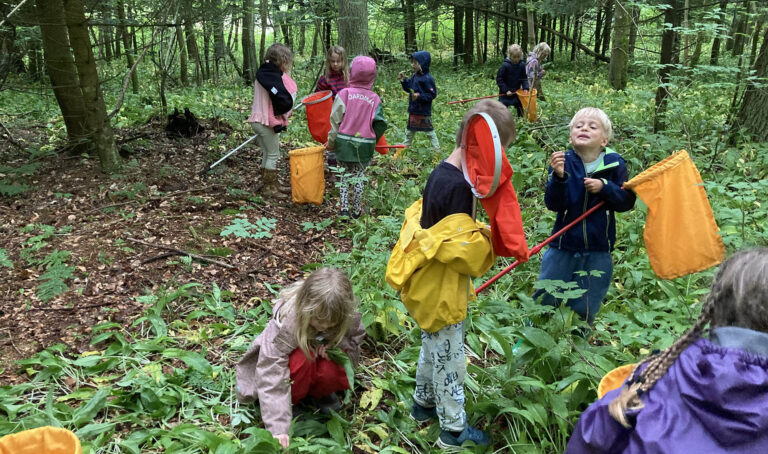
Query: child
{"x":336,"y":78}
{"x":533,"y":67}
{"x":579,"y":179}
{"x":432,"y":269}
{"x":273,"y":95}
{"x":357,"y":123}
{"x":422,"y":90}
{"x":510,"y":77}
{"x":703,"y":393}
{"x":336,"y":75}
{"x":288,"y":360}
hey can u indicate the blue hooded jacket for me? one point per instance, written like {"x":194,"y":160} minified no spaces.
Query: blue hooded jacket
{"x":511,"y":77}
{"x":570,"y":199}
{"x":421,"y":83}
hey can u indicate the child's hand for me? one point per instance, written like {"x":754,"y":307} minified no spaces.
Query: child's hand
{"x":322,"y":351}
{"x":284,"y":440}
{"x":509,"y":92}
{"x":401,"y":75}
{"x":593,"y":185}
{"x":415,"y":95}
{"x":557,"y":161}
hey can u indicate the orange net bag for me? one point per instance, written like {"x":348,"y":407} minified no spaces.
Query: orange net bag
{"x":318,"y":106}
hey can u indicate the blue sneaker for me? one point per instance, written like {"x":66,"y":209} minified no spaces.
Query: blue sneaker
{"x":422,"y":414}
{"x":449,"y":441}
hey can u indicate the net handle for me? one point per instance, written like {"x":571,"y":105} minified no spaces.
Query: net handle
{"x":497,"y":155}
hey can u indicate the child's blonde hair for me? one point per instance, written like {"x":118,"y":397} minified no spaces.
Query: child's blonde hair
{"x":739,"y":297}
{"x":515,"y":53}
{"x":325,"y":295}
{"x":500,"y":115}
{"x":338,"y":50}
{"x":281,"y":55}
{"x":542,"y":50}
{"x":594,"y":112}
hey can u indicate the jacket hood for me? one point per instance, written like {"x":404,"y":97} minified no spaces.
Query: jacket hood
{"x":423,"y":58}
{"x":362,"y":72}
{"x":725,"y":388}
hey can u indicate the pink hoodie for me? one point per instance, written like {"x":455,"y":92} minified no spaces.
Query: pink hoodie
{"x":360,"y":101}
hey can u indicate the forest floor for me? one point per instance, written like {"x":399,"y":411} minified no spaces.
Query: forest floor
{"x":160,"y":200}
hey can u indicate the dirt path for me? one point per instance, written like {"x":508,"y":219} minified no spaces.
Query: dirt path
{"x":159,"y":200}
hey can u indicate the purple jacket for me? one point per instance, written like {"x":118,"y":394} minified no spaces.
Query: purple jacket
{"x":714,"y":399}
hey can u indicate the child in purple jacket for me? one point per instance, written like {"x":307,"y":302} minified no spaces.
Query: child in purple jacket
{"x":703,"y":394}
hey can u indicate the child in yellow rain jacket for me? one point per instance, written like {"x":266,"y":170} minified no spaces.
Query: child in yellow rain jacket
{"x":440,"y":248}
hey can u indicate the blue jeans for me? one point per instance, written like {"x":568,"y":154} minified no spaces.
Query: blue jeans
{"x":566,"y":266}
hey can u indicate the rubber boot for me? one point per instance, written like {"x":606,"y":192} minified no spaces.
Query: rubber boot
{"x":269,"y":177}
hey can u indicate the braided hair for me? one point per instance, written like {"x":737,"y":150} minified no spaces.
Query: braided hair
{"x":739,"y":297}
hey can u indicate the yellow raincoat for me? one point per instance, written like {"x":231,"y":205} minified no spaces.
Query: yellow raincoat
{"x":432,"y":267}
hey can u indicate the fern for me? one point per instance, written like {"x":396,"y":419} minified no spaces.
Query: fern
{"x":55,"y":258}
{"x":10,"y":190}
{"x":54,"y":281}
{"x":4,"y":260}
{"x":242,"y":228}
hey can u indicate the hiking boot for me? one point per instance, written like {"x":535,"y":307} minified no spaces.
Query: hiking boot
{"x":448,"y":440}
{"x":269,"y":177}
{"x":423,"y":414}
{"x":328,"y":403}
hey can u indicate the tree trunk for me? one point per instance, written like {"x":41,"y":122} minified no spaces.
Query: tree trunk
{"x":435,"y":26}
{"x":263,"y":5}
{"x":250,"y":63}
{"x":576,"y":37}
{"x":696,"y":54}
{"x":127,"y":44}
{"x":485,"y":37}
{"x":61,"y":69}
{"x":469,"y":44}
{"x":715,"y":55}
{"x":95,"y":111}
{"x":207,"y":50}
{"x":219,"y":55}
{"x":633,"y":31}
{"x":182,"y":56}
{"x":686,"y":8}
{"x":458,"y":40}
{"x":753,"y":114}
{"x":617,"y":71}
{"x":192,"y":50}
{"x":739,"y":37}
{"x":598,"y":28}
{"x":755,"y":39}
{"x":530,"y":41}
{"x":353,"y":26}
{"x":606,"y":41}
{"x":410,"y":26}
{"x":667,"y":49}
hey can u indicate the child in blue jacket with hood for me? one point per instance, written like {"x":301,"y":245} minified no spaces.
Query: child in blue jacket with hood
{"x":422,"y":90}
{"x":579,"y":179}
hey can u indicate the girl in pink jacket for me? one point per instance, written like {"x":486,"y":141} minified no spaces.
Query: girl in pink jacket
{"x":273,"y":95}
{"x":288,"y":361}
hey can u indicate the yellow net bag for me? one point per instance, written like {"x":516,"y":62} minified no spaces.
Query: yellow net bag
{"x":43,"y":440}
{"x":528,"y":100}
{"x":307,"y":177}
{"x":680,"y":231}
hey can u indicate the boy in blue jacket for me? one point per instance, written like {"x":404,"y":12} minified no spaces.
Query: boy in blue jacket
{"x":422,"y":90}
{"x":579,"y":179}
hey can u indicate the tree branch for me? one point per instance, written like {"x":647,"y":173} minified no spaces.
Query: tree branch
{"x":128,"y":76}
{"x":182,"y":252}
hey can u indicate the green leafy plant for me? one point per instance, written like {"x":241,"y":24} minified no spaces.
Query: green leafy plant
{"x":242,"y":228}
{"x":4,"y":259}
